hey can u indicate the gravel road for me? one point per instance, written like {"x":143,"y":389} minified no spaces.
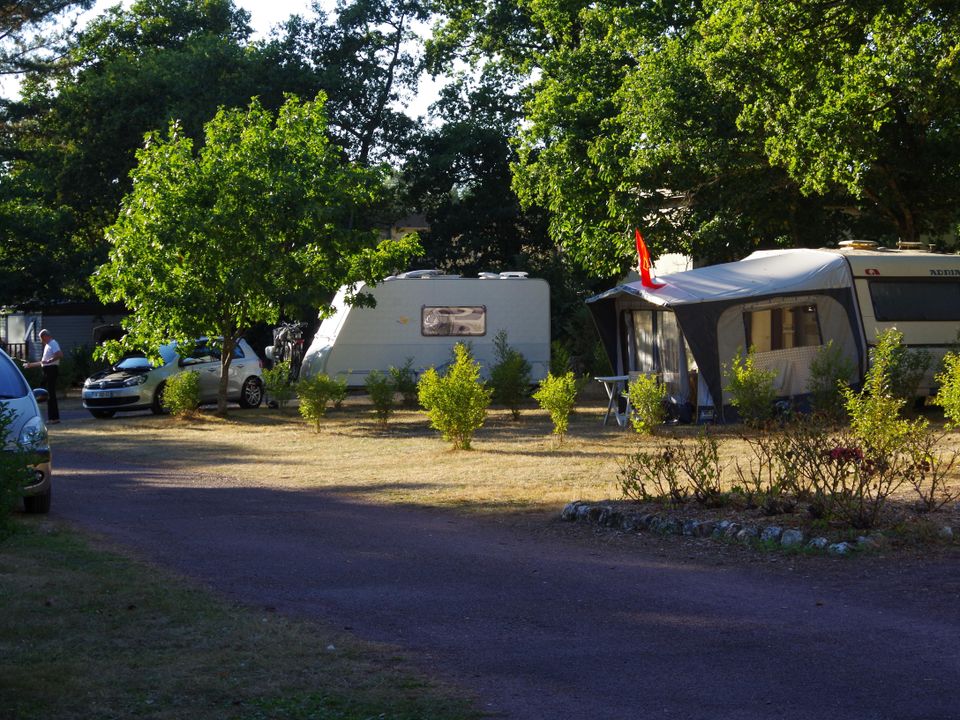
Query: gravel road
{"x":547,"y":621}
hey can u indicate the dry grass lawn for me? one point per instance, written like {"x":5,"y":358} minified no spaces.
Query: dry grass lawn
{"x":515,"y":466}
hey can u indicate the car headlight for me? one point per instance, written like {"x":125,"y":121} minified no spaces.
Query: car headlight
{"x":33,"y":436}
{"x":134,"y":381}
{"x":89,"y":381}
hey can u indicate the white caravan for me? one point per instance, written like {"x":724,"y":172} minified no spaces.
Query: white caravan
{"x":422,"y":314}
{"x":787,"y":304}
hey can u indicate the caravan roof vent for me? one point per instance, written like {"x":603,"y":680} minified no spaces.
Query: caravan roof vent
{"x":488,"y":275}
{"x":413,"y":274}
{"x":860,"y":244}
{"x":910,"y":245}
{"x":513,"y":275}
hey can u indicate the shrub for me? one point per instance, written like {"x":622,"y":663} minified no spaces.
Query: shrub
{"x":875,"y":411}
{"x":906,"y":367}
{"x":701,"y":464}
{"x":646,"y":394}
{"x":509,"y":376}
{"x":181,"y":394}
{"x":14,"y":474}
{"x":276,"y":380}
{"x":751,"y":389}
{"x":557,"y":395}
{"x":830,"y":372}
{"x":927,"y":471}
{"x":652,"y":476}
{"x":948,"y":396}
{"x":405,"y":382}
{"x":382,"y":391}
{"x":315,"y":393}
{"x":457,"y":401}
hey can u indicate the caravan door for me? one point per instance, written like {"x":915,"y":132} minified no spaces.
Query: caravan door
{"x":656,"y":346}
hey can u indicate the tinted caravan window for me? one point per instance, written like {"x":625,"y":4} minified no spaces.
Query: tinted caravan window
{"x":916,"y":300}
{"x":448,"y":320}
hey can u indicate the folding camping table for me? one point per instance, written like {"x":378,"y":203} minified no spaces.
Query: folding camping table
{"x":615,"y":385}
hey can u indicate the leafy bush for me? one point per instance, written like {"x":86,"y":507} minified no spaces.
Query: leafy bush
{"x":457,"y":401}
{"x":646,"y":393}
{"x":656,"y":476}
{"x":405,"y":382}
{"x":830,"y":372}
{"x":14,"y":474}
{"x":906,"y":367}
{"x":276,"y":380}
{"x":948,"y":396}
{"x":316,"y":393}
{"x":701,"y":464}
{"x":652,"y":477}
{"x":751,"y":389}
{"x":181,"y":394}
{"x":927,"y":471}
{"x":509,"y":376}
{"x":875,"y":411}
{"x":557,"y":395}
{"x":382,"y":391}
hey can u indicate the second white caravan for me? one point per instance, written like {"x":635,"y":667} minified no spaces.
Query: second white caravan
{"x":421,"y":315}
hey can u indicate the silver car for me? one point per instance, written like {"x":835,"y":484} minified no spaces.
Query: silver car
{"x":26,"y":433}
{"x":135,"y":383}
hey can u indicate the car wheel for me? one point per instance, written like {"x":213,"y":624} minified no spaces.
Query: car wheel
{"x":37,"y":504}
{"x":156,"y":407}
{"x":103,"y":414}
{"x":251,"y":394}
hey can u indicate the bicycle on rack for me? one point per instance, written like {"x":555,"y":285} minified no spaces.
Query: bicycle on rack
{"x":288,"y":346}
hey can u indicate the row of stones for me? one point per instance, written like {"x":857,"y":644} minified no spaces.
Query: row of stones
{"x":608,"y":516}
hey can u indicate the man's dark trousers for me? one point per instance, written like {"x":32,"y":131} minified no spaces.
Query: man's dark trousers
{"x":50,"y":373}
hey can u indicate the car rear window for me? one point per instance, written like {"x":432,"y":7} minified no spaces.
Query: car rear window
{"x":12,"y":384}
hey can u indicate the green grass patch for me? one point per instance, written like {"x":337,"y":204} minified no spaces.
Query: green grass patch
{"x":89,"y":633}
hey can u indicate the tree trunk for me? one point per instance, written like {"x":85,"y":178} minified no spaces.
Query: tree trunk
{"x":226,"y":357}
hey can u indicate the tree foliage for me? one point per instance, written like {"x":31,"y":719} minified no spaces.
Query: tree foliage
{"x":366,"y":58}
{"x":32,"y":32}
{"x":861,"y":98}
{"x":725,"y":125}
{"x":71,"y":140}
{"x":211,"y":241}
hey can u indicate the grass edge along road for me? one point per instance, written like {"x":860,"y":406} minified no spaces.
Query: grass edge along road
{"x":86,"y":632}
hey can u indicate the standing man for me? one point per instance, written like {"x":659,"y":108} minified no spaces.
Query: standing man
{"x":50,"y":364}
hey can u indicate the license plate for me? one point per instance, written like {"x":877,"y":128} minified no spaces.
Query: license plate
{"x":99,"y":394}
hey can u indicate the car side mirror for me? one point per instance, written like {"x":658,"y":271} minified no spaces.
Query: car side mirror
{"x":40,"y":395}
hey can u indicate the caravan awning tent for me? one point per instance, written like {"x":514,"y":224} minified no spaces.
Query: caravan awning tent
{"x":786,"y":303}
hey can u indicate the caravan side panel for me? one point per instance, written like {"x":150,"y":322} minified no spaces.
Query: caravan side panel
{"x":359,"y":340}
{"x":916,"y":293}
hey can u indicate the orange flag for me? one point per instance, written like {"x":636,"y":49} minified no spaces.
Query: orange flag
{"x":645,"y":264}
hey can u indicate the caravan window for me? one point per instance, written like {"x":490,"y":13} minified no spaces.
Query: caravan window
{"x":918,"y":300}
{"x":467,"y":321}
{"x":782,"y":328}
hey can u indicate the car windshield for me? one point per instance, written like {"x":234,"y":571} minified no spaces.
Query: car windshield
{"x":12,"y":384}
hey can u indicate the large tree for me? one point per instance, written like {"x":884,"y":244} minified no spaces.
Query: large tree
{"x":70,"y":143}
{"x":32,"y":32}
{"x":209,"y":242}
{"x":860,"y":97}
{"x":672,"y":115}
{"x":366,"y":57}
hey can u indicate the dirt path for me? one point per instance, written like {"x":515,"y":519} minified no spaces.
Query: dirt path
{"x":549,"y":622}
